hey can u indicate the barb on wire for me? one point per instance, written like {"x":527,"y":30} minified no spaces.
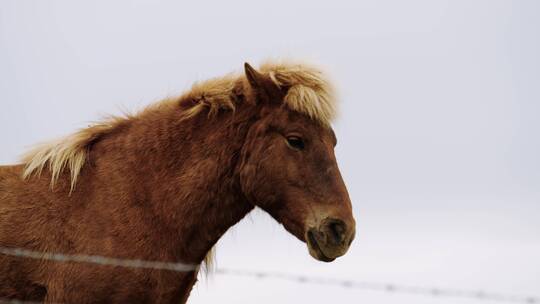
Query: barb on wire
{"x":384,"y":287}
{"x":96,"y":259}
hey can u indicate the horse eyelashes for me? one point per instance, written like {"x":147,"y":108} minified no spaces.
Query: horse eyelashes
{"x":295,"y":142}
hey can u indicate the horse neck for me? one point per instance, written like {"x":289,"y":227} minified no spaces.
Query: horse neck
{"x":183,"y":173}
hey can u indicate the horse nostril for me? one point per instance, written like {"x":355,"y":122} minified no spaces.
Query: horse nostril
{"x":336,"y":230}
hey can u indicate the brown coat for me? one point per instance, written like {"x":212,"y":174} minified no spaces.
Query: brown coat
{"x":167,"y":183}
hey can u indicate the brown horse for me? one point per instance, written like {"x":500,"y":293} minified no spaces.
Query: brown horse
{"x":167,"y":183}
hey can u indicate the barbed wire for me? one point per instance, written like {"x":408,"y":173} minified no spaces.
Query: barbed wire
{"x":302,"y":279}
{"x":97,"y":259}
{"x":384,"y":287}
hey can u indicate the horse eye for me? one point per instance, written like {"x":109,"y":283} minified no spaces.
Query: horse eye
{"x":295,"y":142}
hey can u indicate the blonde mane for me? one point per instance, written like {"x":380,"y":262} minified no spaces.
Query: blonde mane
{"x":309,"y":92}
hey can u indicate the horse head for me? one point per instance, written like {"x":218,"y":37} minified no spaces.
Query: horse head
{"x":288,"y":167}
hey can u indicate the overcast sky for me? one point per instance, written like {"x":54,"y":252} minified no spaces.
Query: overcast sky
{"x":438,"y":137}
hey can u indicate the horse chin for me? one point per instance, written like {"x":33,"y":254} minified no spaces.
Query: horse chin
{"x":315,"y":250}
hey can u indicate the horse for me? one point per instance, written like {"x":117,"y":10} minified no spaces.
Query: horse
{"x":166,"y":183}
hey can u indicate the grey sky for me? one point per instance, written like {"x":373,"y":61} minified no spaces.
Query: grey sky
{"x":438,"y":137}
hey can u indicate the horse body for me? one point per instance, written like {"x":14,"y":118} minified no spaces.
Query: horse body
{"x":163,"y":185}
{"x":129,"y":207}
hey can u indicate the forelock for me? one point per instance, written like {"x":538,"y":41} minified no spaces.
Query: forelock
{"x":308,"y":89}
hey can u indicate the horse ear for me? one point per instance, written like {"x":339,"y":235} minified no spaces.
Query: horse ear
{"x":252,"y":75}
{"x":266,"y":89}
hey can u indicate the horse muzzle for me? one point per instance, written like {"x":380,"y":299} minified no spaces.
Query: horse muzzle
{"x":330,"y":240}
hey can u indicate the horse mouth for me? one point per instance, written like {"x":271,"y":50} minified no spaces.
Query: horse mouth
{"x":315,"y":250}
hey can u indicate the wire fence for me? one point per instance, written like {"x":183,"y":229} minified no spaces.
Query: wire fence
{"x":96,"y":259}
{"x":301,"y":279}
{"x":383,"y":287}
